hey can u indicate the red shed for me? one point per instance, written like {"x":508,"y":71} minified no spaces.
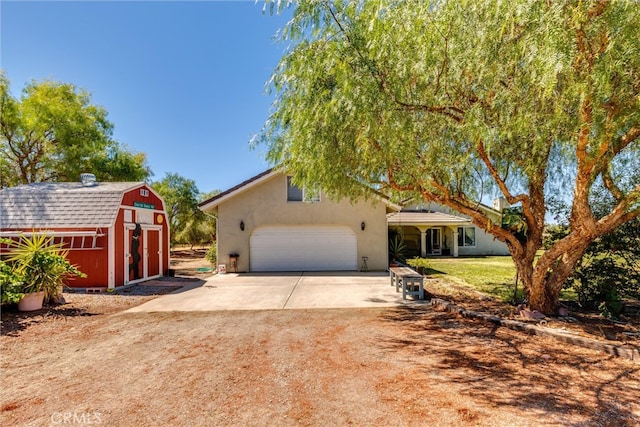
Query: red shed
{"x":116,"y":232}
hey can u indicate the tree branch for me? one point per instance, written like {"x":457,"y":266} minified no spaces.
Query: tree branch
{"x":610,"y":185}
{"x":450,"y":111}
{"x":501,"y":184}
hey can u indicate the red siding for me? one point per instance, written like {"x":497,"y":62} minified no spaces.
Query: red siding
{"x":94,"y":262}
{"x":134,"y":196}
{"x":159,"y":219}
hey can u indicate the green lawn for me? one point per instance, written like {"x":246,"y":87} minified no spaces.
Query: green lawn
{"x":494,"y":275}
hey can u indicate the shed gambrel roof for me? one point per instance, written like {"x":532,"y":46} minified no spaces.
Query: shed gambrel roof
{"x":62,"y":205}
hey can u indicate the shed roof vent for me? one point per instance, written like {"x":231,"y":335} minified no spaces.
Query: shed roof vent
{"x":88,"y":179}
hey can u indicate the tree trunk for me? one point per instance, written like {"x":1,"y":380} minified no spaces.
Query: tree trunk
{"x":555,"y":266}
{"x":543,"y":299}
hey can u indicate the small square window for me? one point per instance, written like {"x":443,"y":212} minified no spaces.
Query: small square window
{"x":144,"y":192}
{"x":466,"y":236}
{"x":297,"y":194}
{"x":294,"y":193}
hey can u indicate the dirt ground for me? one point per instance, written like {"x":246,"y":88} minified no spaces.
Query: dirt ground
{"x":87,"y":363}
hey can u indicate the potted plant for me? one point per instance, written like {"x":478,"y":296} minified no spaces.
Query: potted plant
{"x":419,"y":264}
{"x":43,"y":267}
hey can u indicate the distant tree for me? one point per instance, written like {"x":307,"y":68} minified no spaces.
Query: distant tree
{"x":201,"y":227}
{"x":209,"y":221}
{"x":441,"y":100}
{"x":54,"y":133}
{"x":195,"y":232}
{"x":181,"y":202}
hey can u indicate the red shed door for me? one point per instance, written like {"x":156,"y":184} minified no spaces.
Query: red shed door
{"x":143,"y":253}
{"x":153,"y":252}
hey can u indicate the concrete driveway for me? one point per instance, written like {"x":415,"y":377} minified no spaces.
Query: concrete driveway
{"x":281,"y":291}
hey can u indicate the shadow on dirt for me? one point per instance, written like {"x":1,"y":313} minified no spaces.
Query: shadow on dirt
{"x":14,"y":321}
{"x":502,"y":367}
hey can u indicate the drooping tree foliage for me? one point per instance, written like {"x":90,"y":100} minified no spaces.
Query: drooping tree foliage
{"x":54,"y":133}
{"x":445,"y":100}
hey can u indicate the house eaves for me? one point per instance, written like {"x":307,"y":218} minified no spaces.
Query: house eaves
{"x":219,"y":198}
{"x":425,"y":218}
{"x":252,"y":182}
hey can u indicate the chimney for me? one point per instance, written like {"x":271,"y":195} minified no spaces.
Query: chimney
{"x":500,"y":204}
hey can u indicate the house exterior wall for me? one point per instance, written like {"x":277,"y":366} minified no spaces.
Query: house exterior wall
{"x":266,"y":204}
{"x":486,"y":244}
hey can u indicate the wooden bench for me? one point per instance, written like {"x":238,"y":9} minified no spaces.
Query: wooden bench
{"x":409,"y":280}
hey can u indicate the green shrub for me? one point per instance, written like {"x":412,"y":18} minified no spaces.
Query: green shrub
{"x":10,"y":284}
{"x":420,"y":264}
{"x":598,"y":281}
{"x":212,"y":255}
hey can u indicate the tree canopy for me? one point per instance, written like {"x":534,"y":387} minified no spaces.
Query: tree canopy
{"x":188,"y":223}
{"x":54,"y":133}
{"x":446,"y":100}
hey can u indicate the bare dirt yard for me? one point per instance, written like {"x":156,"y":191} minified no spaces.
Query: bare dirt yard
{"x":87,"y":363}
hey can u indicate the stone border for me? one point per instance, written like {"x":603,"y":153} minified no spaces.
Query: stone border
{"x":631,"y":353}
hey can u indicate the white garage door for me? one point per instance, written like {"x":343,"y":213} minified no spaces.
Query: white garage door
{"x":303,"y":248}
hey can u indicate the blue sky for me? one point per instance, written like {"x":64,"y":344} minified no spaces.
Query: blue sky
{"x":183,"y":82}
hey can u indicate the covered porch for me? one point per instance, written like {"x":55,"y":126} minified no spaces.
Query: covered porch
{"x":427,"y":233}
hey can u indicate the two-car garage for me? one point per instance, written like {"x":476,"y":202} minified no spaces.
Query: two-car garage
{"x":303,"y":248}
{"x":263,"y":226}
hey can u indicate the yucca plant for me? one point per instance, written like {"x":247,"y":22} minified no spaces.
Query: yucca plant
{"x":42,"y":264}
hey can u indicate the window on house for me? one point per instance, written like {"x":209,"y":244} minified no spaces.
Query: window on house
{"x":466,"y":236}
{"x":297,"y":194}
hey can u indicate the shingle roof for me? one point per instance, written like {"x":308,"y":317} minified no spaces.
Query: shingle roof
{"x":58,"y":205}
{"x":419,"y":217}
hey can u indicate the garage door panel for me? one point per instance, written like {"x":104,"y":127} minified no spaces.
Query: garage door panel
{"x":303,"y":248}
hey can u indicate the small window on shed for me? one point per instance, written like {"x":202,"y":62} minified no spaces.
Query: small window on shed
{"x":144,"y":192}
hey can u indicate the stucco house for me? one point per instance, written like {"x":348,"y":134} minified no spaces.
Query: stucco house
{"x":430,"y":229}
{"x":267,"y":223}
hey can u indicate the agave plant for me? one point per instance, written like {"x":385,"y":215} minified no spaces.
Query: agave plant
{"x":397,"y":248}
{"x":42,"y":264}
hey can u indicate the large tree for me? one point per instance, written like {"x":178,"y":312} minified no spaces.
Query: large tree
{"x":443,"y":100}
{"x":54,"y":133}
